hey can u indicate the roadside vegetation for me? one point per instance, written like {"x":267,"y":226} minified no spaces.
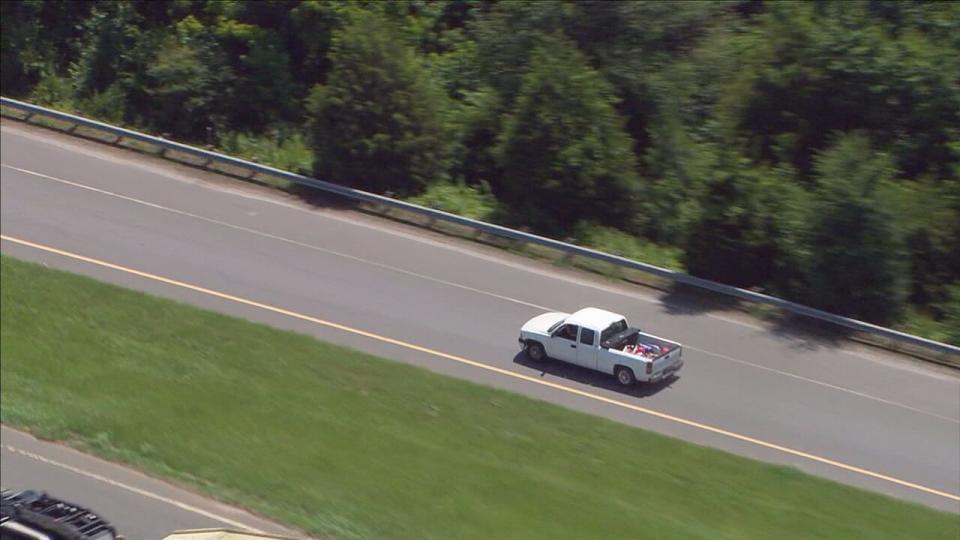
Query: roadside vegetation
{"x":809,"y":149}
{"x":344,"y":444}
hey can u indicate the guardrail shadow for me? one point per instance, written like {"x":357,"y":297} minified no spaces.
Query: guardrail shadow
{"x":319,"y":198}
{"x":592,"y":378}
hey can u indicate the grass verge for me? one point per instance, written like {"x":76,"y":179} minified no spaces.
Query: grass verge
{"x":341,"y":443}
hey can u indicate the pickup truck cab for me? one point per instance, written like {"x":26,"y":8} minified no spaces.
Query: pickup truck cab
{"x":602,"y":341}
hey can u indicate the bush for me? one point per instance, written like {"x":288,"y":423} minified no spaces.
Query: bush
{"x":287,"y":152}
{"x":460,"y":199}
{"x":54,"y":92}
{"x":617,"y":242}
{"x":921,"y":322}
{"x":109,"y":105}
{"x":951,"y":314}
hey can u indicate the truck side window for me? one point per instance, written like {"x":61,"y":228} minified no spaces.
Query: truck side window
{"x":568,"y":331}
{"x":586,"y":336}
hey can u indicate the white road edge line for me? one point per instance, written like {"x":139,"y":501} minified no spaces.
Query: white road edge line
{"x":138,"y":491}
{"x":452,"y":284}
{"x":353,"y":222}
{"x":828,"y":385}
{"x":274,"y":237}
{"x":224,"y":189}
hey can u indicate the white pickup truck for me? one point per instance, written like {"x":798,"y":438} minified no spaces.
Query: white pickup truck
{"x":602,"y":341}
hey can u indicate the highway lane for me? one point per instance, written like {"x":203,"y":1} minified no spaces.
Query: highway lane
{"x":140,"y":507}
{"x":857,"y":407}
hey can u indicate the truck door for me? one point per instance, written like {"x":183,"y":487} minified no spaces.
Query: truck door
{"x":563,"y":345}
{"x":587,"y":349}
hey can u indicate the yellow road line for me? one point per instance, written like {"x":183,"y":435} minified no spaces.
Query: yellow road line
{"x":491,"y":294}
{"x":480,"y":365}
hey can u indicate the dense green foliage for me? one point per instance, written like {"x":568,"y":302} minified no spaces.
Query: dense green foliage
{"x":258,"y":417}
{"x":859,"y":260}
{"x":811,"y":149}
{"x":377,"y":120}
{"x":564,"y":153}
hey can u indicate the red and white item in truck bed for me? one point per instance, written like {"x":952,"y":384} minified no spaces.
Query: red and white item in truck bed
{"x":643,"y":349}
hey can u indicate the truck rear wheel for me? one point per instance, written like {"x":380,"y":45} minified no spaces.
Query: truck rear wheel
{"x":535,"y":351}
{"x":625,"y":376}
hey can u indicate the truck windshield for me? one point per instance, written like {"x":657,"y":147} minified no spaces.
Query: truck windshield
{"x":613,"y":330}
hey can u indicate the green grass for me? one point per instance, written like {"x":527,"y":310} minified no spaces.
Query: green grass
{"x":616,"y":242}
{"x":460,"y":199}
{"x":920,"y":323}
{"x":287,"y":152}
{"x":345,"y":444}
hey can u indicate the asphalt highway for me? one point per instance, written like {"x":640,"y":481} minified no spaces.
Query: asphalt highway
{"x":139,"y":507}
{"x":830,"y":408}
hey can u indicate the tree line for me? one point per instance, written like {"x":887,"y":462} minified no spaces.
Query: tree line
{"x":810,"y":149}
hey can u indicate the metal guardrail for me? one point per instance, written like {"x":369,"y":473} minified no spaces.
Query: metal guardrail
{"x":489,"y":228}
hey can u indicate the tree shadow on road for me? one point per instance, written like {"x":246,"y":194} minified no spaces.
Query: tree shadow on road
{"x":592,"y":378}
{"x":797,"y":331}
{"x":806,"y":334}
{"x":685,"y":300}
{"x":323,"y":199}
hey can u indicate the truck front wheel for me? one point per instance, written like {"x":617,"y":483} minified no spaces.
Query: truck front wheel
{"x":625,"y":376}
{"x":535,"y":351}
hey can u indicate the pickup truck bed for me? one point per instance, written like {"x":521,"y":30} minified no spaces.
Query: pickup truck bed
{"x":633,"y":341}
{"x":664,"y":355}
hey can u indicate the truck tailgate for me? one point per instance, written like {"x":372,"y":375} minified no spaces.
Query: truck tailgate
{"x":668,"y":362}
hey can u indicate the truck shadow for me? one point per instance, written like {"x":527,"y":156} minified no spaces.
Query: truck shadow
{"x":592,"y":378}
